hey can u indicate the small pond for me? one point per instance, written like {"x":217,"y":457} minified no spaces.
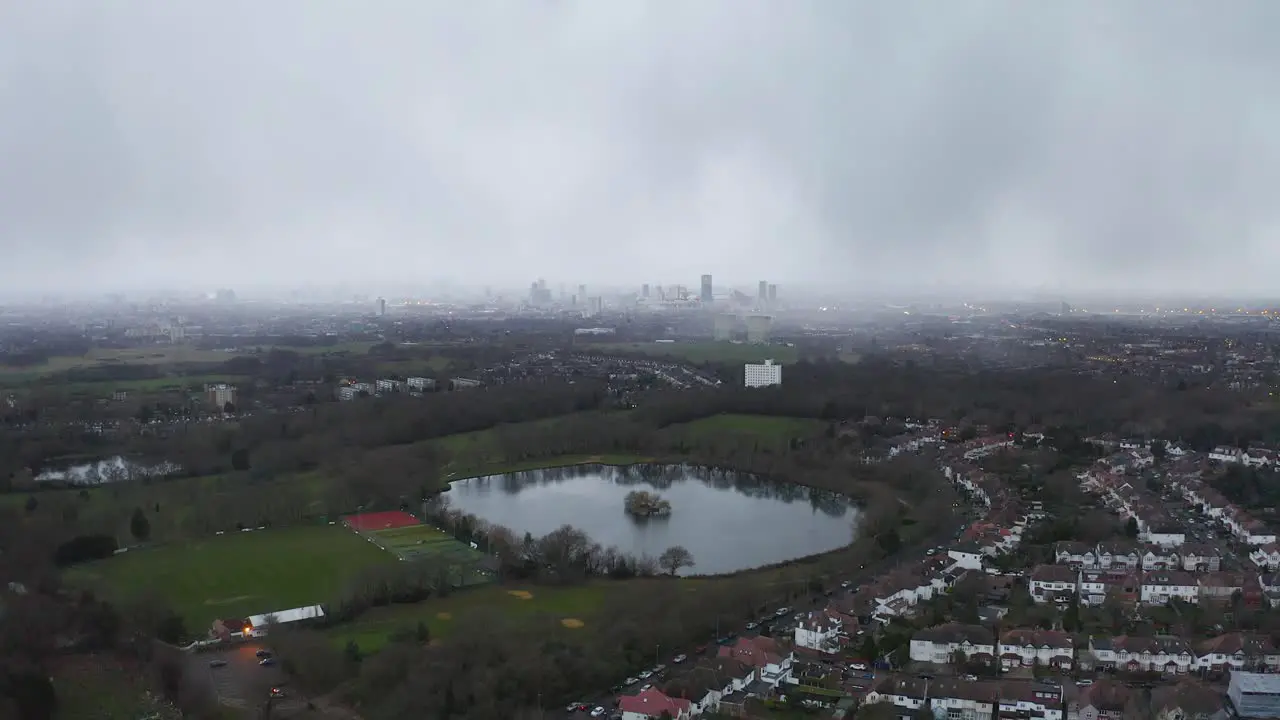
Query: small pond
{"x":113,"y":469}
{"x":728,"y":521}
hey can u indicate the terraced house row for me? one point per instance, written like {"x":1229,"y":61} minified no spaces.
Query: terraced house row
{"x":959,"y":644}
{"x":1060,"y":584}
{"x":1030,"y":700}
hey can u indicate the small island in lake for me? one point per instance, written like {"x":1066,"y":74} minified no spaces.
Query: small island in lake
{"x":646,"y":504}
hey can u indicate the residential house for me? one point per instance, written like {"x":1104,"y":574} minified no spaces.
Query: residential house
{"x":1103,"y":700}
{"x":1187,"y":700}
{"x":1119,"y":556}
{"x":1225,"y":454}
{"x":967,"y":555}
{"x":1053,"y":583}
{"x":1266,"y":556}
{"x":1024,"y":647}
{"x":1198,"y":557}
{"x":1076,"y":554}
{"x":819,"y":631}
{"x":1165,"y":533}
{"x":711,"y":680}
{"x":1157,"y":557}
{"x":1160,"y":587}
{"x":653,"y":703}
{"x":1098,"y":585}
{"x":940,"y":645}
{"x":1237,"y":651}
{"x":772,"y":663}
{"x":1221,"y":586}
{"x":944,"y":696}
{"x":1163,"y":653}
{"x":1039,"y":700}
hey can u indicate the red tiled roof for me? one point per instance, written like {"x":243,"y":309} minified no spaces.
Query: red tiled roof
{"x":653,"y":702}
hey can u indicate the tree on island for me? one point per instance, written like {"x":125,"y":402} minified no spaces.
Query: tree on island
{"x":674,"y":558}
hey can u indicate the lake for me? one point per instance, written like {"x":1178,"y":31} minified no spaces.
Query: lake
{"x":112,"y":469}
{"x":728,"y":521}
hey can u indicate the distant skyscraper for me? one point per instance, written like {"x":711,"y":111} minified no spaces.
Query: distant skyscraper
{"x":763,"y":293}
{"x":382,"y":306}
{"x":773,"y":293}
{"x":706,"y":288}
{"x":582,"y":293}
{"x":644,"y":290}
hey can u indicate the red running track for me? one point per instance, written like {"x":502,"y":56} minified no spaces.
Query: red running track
{"x":365,"y":522}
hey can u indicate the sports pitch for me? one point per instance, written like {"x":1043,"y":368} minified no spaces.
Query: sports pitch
{"x":237,"y":574}
{"x":402,"y":535}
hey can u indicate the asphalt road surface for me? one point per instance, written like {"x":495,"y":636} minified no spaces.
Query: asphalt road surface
{"x":243,"y":682}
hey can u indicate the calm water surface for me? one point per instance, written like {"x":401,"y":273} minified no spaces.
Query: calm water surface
{"x":729,"y":521}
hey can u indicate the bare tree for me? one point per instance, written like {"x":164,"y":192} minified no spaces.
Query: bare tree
{"x":674,"y":558}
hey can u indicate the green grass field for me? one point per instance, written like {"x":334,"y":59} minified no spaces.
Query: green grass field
{"x":702,"y":352}
{"x":237,"y":574}
{"x":372,"y":631}
{"x":159,"y":355}
{"x":760,"y":428}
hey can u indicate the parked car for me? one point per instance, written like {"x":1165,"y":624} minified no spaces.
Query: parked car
{"x":631,"y":681}
{"x":277,"y":692}
{"x":263,"y":653}
{"x":597,"y":712}
{"x":267,"y":662}
{"x":857,"y":666}
{"x":217,"y":663}
{"x":679,"y":659}
{"x":781,"y":611}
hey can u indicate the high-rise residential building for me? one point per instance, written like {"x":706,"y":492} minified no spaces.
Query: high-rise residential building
{"x":773,"y":293}
{"x":706,"y":289}
{"x":220,"y":395}
{"x":763,"y":293}
{"x":382,"y":306}
{"x":644,"y":290}
{"x":754,"y":376}
{"x":582,"y":292}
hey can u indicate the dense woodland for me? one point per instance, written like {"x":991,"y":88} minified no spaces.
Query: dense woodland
{"x":387,"y":453}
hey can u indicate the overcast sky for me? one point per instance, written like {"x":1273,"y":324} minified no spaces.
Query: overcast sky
{"x":1063,"y":144}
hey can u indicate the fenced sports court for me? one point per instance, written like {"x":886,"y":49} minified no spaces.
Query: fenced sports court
{"x":404,"y":536}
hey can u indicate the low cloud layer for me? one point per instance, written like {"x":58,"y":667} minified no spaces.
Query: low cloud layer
{"x":1128,"y":145}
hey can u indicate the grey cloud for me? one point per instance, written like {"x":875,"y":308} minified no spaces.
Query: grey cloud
{"x":1128,"y":145}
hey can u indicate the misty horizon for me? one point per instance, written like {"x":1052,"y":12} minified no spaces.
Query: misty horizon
{"x":1069,"y":149}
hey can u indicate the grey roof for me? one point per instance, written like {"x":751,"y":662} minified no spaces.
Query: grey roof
{"x":1256,"y":682}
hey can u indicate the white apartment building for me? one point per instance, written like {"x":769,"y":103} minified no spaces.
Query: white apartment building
{"x":220,"y":394}
{"x":421,"y":384}
{"x":755,"y":376}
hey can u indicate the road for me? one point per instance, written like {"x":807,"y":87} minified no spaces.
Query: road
{"x":946,"y":534}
